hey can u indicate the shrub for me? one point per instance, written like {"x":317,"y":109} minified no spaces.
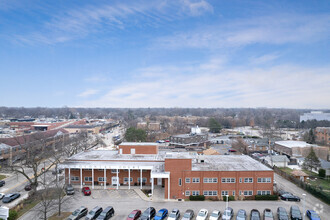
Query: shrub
{"x":230,"y":198}
{"x":197,"y":198}
{"x":12,"y":215}
{"x":266,"y":197}
{"x":322,"y":172}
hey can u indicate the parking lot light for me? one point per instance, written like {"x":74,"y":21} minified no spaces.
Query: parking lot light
{"x":304,"y":211}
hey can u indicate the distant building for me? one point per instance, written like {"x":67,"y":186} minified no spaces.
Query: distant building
{"x":279,"y":160}
{"x":195,"y":138}
{"x":322,"y":135}
{"x":298,"y":149}
{"x":315,"y":115}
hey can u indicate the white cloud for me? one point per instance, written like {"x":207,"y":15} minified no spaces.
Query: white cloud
{"x":278,"y":86}
{"x":276,"y":29}
{"x":88,"y":92}
{"x":265,"y":58}
{"x":197,"y":7}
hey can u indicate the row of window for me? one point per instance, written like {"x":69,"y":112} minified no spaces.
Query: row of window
{"x":225,"y":180}
{"x":224,"y":193}
{"x":112,"y":170}
{"x":101,"y":179}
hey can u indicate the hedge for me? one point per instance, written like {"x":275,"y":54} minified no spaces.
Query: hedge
{"x":197,"y":198}
{"x":230,"y":198}
{"x":12,"y":215}
{"x":266,"y":197}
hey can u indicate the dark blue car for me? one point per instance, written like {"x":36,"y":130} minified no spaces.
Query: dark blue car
{"x":161,"y":214}
{"x":312,"y":215}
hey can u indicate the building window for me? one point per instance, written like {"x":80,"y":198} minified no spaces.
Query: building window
{"x":88,"y":169}
{"x":264,"y":180}
{"x":210,"y":193}
{"x":195,"y":180}
{"x":248,"y":180}
{"x":88,"y":179}
{"x":180,"y":182}
{"x":187,"y":180}
{"x":262,"y":192}
{"x":126,"y":179}
{"x":75,"y":178}
{"x":210,"y":180}
{"x":224,"y":193}
{"x":114,"y":171}
{"x":240,"y":192}
{"x":233,"y":193}
{"x":248,"y":193}
{"x":228,"y":180}
{"x":195,"y":193}
{"x":100,"y":169}
{"x":144,"y":180}
{"x":101,"y":179}
{"x":240,"y":180}
{"x":187,"y":193}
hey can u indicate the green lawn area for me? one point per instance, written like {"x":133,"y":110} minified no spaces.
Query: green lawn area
{"x":27,"y":205}
{"x":2,"y":177}
{"x":64,"y":215}
{"x":318,"y":182}
{"x":286,"y":169}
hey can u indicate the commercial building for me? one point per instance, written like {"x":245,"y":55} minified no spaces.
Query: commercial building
{"x":315,"y":115}
{"x":195,"y":138}
{"x":322,"y":135}
{"x":180,"y":173}
{"x":298,"y":149}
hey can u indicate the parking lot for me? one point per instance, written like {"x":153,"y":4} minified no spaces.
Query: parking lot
{"x":124,"y":201}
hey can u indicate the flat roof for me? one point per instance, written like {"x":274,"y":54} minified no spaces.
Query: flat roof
{"x":138,"y":144}
{"x":291,"y":144}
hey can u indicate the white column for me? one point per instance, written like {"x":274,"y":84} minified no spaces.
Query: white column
{"x":105,"y":178}
{"x":152,"y":186}
{"x":69,"y":176}
{"x":80,"y":177}
{"x":117,"y":180}
{"x":141,"y":179}
{"x":168,"y":190}
{"x":129,"y":178}
{"x":92,"y":178}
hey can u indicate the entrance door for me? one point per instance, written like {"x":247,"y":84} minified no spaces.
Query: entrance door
{"x":159,"y":181}
{"x":114,"y":181}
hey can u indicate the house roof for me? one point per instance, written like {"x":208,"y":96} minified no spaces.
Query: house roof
{"x":210,"y":151}
{"x":279,"y":158}
{"x":325,"y":164}
{"x":298,"y":173}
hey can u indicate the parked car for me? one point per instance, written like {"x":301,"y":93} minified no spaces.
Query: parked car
{"x":2,"y":183}
{"x":10,"y":197}
{"x":282,"y":214}
{"x":202,"y":214}
{"x":290,"y":197}
{"x":69,"y":189}
{"x":134,"y":215}
{"x":94,"y":213}
{"x":241,"y":215}
{"x":106,"y":214}
{"x":215,"y":215}
{"x":228,"y":214}
{"x":282,"y":192}
{"x":254,"y":214}
{"x":174,"y":215}
{"x":27,"y":187}
{"x":78,"y":213}
{"x":295,"y":213}
{"x":161,"y":214}
{"x":188,"y":215}
{"x":312,"y":215}
{"x":1,"y":195}
{"x":148,"y":214}
{"x":268,"y":214}
{"x":231,"y":150}
{"x":86,"y":190}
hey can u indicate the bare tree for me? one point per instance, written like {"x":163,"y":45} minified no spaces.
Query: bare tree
{"x":75,"y":144}
{"x":47,"y":203}
{"x":240,"y":145}
{"x":60,"y":196}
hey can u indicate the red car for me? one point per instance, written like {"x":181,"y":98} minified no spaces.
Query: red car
{"x":86,"y":190}
{"x":232,"y":150}
{"x":135,"y":214}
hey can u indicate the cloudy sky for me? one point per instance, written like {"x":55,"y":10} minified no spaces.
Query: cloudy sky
{"x":180,"y":53}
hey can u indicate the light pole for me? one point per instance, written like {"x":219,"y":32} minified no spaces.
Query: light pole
{"x":304,"y":211}
{"x":227,"y":202}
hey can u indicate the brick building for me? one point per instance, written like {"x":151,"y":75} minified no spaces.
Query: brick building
{"x":181,"y":173}
{"x":322,"y":135}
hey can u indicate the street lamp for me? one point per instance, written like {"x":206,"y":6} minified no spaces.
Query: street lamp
{"x":304,"y":211}
{"x":227,"y":202}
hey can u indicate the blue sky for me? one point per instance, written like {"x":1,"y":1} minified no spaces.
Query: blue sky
{"x":182,"y":53}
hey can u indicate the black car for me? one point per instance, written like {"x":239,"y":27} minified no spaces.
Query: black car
{"x":107,"y":213}
{"x":69,"y":189}
{"x":148,"y":214}
{"x":78,"y":213}
{"x":290,"y":197}
{"x":255,"y":214}
{"x":2,"y":183}
{"x":10,"y":197}
{"x":282,"y":214}
{"x":295,"y":213}
{"x":282,"y":192}
{"x":94,"y":213}
{"x":188,"y":215}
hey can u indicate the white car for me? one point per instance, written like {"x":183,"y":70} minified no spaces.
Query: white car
{"x":174,"y":215}
{"x":202,"y":214}
{"x":2,"y":195}
{"x":215,"y":215}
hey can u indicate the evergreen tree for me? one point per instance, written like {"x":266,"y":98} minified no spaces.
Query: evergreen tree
{"x":135,"y":135}
{"x":311,"y":161}
{"x":214,"y":125}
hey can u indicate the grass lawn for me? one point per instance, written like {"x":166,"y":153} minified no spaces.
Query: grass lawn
{"x":286,"y":169}
{"x":318,"y":182}
{"x":64,"y":215}
{"x":27,"y":205}
{"x":2,"y":177}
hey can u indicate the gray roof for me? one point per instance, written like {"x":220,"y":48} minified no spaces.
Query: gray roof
{"x":325,"y":164}
{"x":279,"y":158}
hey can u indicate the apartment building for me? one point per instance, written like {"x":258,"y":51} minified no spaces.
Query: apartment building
{"x":181,"y":173}
{"x":322,"y":135}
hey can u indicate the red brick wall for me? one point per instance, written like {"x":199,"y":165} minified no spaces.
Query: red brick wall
{"x":139,"y":149}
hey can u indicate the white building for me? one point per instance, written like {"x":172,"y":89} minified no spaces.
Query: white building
{"x":315,"y":115}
